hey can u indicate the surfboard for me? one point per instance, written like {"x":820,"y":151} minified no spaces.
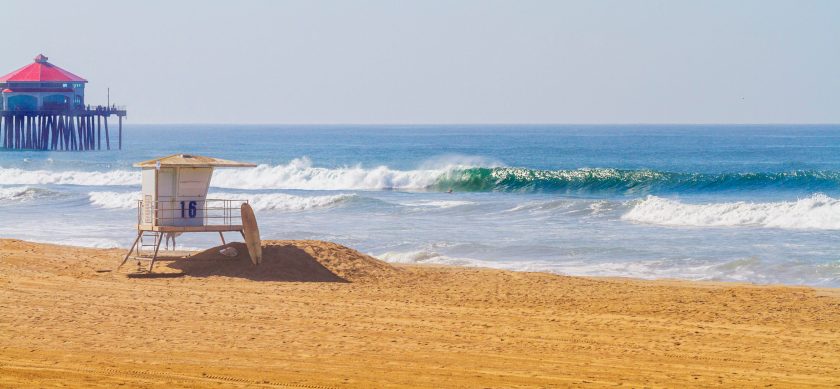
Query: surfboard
{"x":251,"y":233}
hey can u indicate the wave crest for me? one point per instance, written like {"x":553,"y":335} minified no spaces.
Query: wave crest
{"x":617,"y":181}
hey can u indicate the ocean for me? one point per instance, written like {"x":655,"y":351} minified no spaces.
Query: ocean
{"x":754,"y":203}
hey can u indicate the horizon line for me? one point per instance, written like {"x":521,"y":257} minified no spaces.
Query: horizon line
{"x":494,"y":124}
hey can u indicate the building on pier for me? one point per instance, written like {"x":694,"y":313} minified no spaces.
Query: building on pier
{"x":42,"y":85}
{"x":43,"y":108}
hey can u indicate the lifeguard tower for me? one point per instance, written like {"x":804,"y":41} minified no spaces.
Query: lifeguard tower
{"x":174,"y":201}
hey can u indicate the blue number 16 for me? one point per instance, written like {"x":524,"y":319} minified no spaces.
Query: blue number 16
{"x":192,"y":211}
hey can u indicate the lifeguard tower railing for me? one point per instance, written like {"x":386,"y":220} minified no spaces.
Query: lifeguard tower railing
{"x":189,"y":214}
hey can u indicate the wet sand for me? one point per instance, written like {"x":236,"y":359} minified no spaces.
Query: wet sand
{"x":320,"y":315}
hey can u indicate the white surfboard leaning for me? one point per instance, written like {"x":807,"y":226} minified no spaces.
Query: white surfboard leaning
{"x":251,"y":233}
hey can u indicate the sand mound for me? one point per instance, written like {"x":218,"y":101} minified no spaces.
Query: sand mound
{"x":288,"y":260}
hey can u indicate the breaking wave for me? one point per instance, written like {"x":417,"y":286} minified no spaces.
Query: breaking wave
{"x":300,"y":174}
{"x":458,"y":175}
{"x":818,"y":212}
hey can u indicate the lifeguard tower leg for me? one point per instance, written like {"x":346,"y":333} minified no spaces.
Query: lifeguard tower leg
{"x":223,"y":238}
{"x":133,"y":245}
{"x":157,"y":247}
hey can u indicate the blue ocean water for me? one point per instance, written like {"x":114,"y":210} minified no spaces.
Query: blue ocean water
{"x":753,"y":203}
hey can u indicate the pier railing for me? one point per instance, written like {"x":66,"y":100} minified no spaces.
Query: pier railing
{"x":99,"y":110}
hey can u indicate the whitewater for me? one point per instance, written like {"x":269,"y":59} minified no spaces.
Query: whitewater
{"x":819,"y":212}
{"x":735,"y":203}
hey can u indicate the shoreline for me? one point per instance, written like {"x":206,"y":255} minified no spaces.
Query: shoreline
{"x":698,"y":283}
{"x":328,"y":316}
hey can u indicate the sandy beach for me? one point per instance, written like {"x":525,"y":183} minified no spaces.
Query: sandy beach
{"x":318,"y":315}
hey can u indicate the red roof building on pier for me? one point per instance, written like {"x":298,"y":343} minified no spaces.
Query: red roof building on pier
{"x":41,"y":71}
{"x":41,"y":86}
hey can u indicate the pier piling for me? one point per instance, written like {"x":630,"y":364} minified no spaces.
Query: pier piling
{"x":71,"y":130}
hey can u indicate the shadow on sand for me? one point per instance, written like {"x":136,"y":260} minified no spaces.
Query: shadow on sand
{"x":280,"y":263}
{"x":154,"y":275}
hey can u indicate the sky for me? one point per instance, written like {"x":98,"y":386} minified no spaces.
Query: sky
{"x":423,"y":62}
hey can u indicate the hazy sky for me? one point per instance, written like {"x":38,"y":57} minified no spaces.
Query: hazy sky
{"x":443,"y":61}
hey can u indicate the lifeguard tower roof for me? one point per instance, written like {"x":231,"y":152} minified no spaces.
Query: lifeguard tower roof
{"x":187,"y":160}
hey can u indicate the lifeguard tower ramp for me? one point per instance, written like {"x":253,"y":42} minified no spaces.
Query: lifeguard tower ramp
{"x":174,"y":201}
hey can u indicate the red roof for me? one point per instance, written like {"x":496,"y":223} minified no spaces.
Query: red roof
{"x":41,"y":71}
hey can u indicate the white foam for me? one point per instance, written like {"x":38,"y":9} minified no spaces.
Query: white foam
{"x":43,"y":177}
{"x":442,"y":204}
{"x":428,"y":257}
{"x":287,"y":202}
{"x":748,"y":269}
{"x":114,"y":200}
{"x":268,"y":201}
{"x":566,"y":207}
{"x":23,"y":193}
{"x":300,"y":174}
{"x":99,"y":243}
{"x":818,"y":211}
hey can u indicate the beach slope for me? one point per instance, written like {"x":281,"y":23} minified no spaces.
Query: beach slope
{"x":321,"y":315}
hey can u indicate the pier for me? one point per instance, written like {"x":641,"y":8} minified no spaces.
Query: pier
{"x":43,"y":108}
{"x":64,"y":130}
